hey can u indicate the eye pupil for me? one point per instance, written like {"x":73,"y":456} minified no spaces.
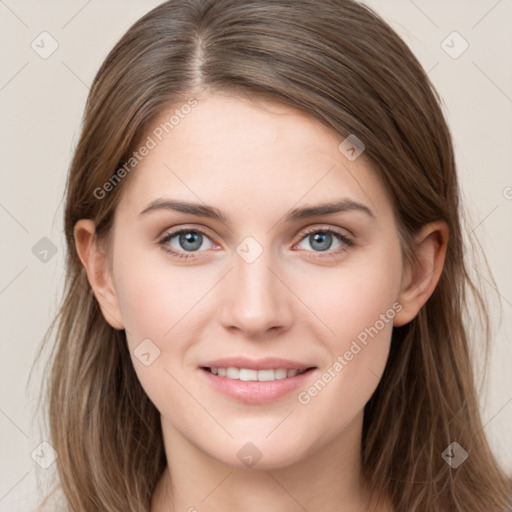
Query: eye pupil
{"x":321,"y":238}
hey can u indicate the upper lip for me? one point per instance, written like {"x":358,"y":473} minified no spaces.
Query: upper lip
{"x":266,"y":363}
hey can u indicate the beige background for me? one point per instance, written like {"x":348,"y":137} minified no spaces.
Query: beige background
{"x":42,"y":99}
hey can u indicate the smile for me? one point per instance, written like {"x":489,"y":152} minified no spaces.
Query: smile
{"x":252,"y":386}
{"x":246,"y":374}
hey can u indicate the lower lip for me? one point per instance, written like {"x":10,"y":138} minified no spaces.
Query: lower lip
{"x":256,"y":392}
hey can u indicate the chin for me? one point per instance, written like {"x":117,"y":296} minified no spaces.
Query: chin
{"x":262,"y":455}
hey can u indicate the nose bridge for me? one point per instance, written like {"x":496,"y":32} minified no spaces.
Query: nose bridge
{"x":258,"y":300}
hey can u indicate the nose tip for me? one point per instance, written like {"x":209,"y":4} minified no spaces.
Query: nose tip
{"x":255,"y":301}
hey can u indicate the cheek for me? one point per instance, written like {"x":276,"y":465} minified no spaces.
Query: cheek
{"x":161,"y":305}
{"x":156,"y":297}
{"x":357,"y":305}
{"x":157,"y":304}
{"x":352,"y":297}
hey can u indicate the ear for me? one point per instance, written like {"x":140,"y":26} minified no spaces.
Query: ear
{"x":95,"y":260}
{"x":422,"y":275}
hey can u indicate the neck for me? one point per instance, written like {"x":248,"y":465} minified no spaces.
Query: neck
{"x":326,"y":480}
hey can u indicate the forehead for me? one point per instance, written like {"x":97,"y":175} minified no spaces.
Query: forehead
{"x":251,"y":155}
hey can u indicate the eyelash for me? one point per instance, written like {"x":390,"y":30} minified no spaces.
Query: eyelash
{"x":344,"y":239}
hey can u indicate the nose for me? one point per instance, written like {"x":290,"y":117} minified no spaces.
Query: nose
{"x":256,"y":301}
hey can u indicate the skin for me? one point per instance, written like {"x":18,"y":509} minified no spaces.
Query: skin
{"x":255,"y":161}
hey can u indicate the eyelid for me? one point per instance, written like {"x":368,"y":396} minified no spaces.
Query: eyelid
{"x":327,"y":228}
{"x":173,"y":231}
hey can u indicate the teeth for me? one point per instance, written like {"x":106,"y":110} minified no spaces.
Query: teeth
{"x":281,"y":373}
{"x":246,"y":374}
{"x":264,"y":375}
{"x":232,"y":373}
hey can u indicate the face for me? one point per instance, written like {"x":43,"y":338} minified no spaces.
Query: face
{"x":265,"y":278}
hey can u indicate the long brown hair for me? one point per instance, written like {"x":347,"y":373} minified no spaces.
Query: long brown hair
{"x":340,"y":62}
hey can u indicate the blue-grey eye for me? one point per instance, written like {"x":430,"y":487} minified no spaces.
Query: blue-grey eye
{"x":187,"y":240}
{"x":322,"y":240}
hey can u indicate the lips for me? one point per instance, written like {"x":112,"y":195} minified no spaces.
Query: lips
{"x":224,"y":376}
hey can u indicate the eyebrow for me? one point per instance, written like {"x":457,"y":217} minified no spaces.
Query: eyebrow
{"x":210,"y":212}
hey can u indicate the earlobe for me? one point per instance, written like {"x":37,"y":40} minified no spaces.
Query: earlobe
{"x":422,"y":275}
{"x":95,"y":261}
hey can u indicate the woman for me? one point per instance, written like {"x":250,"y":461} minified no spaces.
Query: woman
{"x":266,"y":279}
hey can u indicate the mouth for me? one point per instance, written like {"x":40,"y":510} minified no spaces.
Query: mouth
{"x":251,"y":386}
